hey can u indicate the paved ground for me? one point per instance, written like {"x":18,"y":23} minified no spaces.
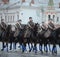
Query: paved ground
{"x":18,"y":53}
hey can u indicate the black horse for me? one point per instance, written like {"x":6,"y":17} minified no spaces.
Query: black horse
{"x":5,"y":37}
{"x":58,"y":35}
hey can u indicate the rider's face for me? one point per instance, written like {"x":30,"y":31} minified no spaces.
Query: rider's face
{"x":2,"y":21}
{"x":19,"y":21}
{"x":30,"y":19}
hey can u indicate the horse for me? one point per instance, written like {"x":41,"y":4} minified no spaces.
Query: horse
{"x":31,"y":36}
{"x":5,"y":37}
{"x":8,"y":34}
{"x":19,"y":37}
{"x":34,"y":38}
{"x":42,"y":39}
{"x":50,"y":36}
{"x":11,"y":37}
{"x":58,"y":35}
{"x":45,"y":37}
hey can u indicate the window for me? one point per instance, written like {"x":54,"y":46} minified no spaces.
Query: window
{"x":8,"y":19}
{"x":5,"y":18}
{"x":53,"y":17}
{"x":57,"y":19}
{"x":49,"y":17}
{"x":13,"y":18}
{"x":17,"y":17}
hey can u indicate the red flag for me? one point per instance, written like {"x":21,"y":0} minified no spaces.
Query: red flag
{"x":23,"y":1}
{"x":5,"y":1}
{"x":32,"y":1}
{"x":59,"y":5}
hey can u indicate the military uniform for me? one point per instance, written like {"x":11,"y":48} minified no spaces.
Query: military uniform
{"x":44,"y":27}
{"x":51,"y":26}
{"x":18,"y":28}
{"x":31,"y":25}
{"x":3,"y":27}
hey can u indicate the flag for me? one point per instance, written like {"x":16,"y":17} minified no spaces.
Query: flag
{"x":5,"y":1}
{"x":59,"y":5}
{"x":23,"y":1}
{"x":32,"y":2}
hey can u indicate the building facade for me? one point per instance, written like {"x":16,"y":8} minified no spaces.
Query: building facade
{"x":23,"y":9}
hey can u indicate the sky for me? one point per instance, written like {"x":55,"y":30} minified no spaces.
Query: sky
{"x":42,"y":2}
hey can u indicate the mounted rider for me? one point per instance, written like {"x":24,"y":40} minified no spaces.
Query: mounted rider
{"x":18,"y":28}
{"x":3,"y":27}
{"x":51,"y":24}
{"x":44,"y":26}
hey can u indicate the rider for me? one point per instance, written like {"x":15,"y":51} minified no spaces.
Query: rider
{"x":19,"y":25}
{"x":31,"y":26}
{"x":18,"y":29}
{"x":51,"y":26}
{"x":3,"y":29}
{"x":43,"y":26}
{"x":30,"y":23}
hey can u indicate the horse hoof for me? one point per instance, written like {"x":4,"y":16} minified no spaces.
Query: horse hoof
{"x":29,"y":50}
{"x":2,"y":49}
{"x":41,"y":52}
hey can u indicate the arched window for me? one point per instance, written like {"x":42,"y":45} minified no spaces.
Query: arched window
{"x":49,"y":17}
{"x":57,"y":19}
{"x":53,"y":17}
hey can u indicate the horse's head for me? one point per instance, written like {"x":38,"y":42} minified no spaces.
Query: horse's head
{"x":58,"y":32}
{"x":8,"y":27}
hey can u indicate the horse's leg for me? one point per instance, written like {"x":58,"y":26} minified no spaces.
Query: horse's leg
{"x":49,"y":42}
{"x":31,"y":47}
{"x":45,"y":48}
{"x":7,"y":46}
{"x":54,"y":49}
{"x":14,"y":45}
{"x":23,"y":47}
{"x":10,"y":45}
{"x":40,"y":47}
{"x":29,"y":44}
{"x":49,"y":47}
{"x":35,"y":45}
{"x":3,"y":46}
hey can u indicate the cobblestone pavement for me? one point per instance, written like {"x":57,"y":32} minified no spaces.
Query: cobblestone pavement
{"x":18,"y":53}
